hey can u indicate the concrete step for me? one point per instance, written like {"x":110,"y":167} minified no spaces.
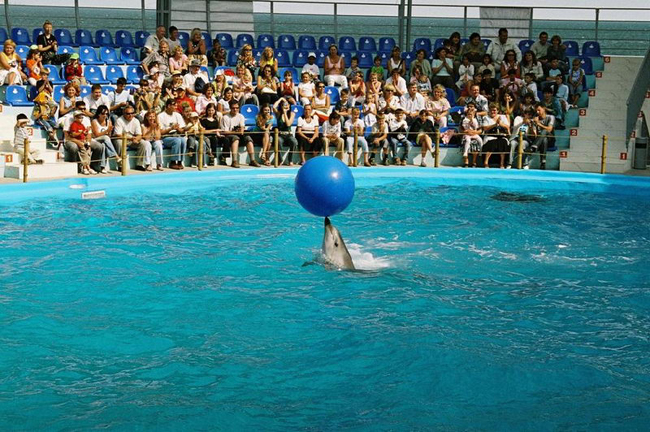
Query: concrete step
{"x":46,"y":171}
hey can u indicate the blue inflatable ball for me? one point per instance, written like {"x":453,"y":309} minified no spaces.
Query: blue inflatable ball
{"x":324,"y":186}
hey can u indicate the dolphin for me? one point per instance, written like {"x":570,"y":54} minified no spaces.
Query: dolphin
{"x":334,"y":250}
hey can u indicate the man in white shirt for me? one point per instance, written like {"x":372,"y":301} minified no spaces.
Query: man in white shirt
{"x":499,"y":47}
{"x":172,"y":123}
{"x":233,"y":125}
{"x":189,"y":80}
{"x":130,"y":126}
{"x":173,"y":39}
{"x":311,"y":67}
{"x":96,"y":98}
{"x":480,"y":102}
{"x":398,"y":82}
{"x":153,"y":41}
{"x":119,"y":99}
{"x":412,"y":102}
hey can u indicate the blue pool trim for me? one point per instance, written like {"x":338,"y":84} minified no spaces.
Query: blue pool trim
{"x":174,"y":183}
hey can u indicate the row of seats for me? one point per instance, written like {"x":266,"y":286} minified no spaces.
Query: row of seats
{"x":124,"y":39}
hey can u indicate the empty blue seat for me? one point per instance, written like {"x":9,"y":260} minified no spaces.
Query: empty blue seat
{"x":294,"y":74}
{"x":22,"y":51}
{"x":591,"y":49}
{"x":55,"y":75}
{"x":347,"y":43}
{"x":367,"y":44}
{"x":333,"y":93}
{"x":183,"y":38}
{"x":20,"y":35}
{"x":58,"y":92}
{"x":587,"y":65}
{"x":243,"y":39}
{"x":265,"y":40}
{"x":85,"y":91}
{"x":63,"y":36}
{"x":451,"y":96}
{"x":524,"y":45}
{"x":325,"y":42}
{"x":113,"y":73}
{"x":123,"y":38}
{"x":140,"y":38}
{"x":320,"y":57}
{"x":283,"y":58}
{"x":486,"y":43}
{"x":306,"y":43}
{"x":64,"y":49}
{"x":298,"y":110}
{"x":422,"y":43}
{"x":386,"y":44}
{"x":286,"y":42}
{"x":134,"y":74}
{"x":109,"y":56}
{"x":94,"y":75}
{"x":3,"y":35}
{"x":249,"y":112}
{"x":87,"y":55}
{"x":384,"y":55}
{"x":225,"y":39}
{"x":365,"y":59}
{"x":104,"y":38}
{"x":299,"y":58}
{"x":257,"y":54}
{"x":347,"y":57}
{"x":408,"y":58}
{"x":207,"y":39}
{"x":83,"y":37}
{"x":571,"y":48}
{"x":107,"y":89}
{"x":129,"y":56}
{"x":233,"y":54}
{"x":17,"y":96}
{"x":439,"y":43}
{"x":39,"y":31}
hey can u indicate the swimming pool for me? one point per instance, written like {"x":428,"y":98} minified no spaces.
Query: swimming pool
{"x":188,"y":306}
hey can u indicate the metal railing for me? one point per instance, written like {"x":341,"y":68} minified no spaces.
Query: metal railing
{"x":638,"y":94}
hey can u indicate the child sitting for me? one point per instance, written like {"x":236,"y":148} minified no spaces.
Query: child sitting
{"x":21,"y":136}
{"x":44,"y":111}
{"x":287,"y":88}
{"x":358,"y":89}
{"x":576,"y":81}
{"x":351,"y":72}
{"x":74,"y":72}
{"x":311,"y":67}
{"x":344,"y":106}
{"x":377,"y":68}
{"x":472,"y":141}
{"x":34,"y":66}
{"x":306,"y":88}
{"x":562,"y":92}
{"x":530,"y":86}
{"x":80,"y":136}
{"x":465,"y":73}
{"x":397,"y":128}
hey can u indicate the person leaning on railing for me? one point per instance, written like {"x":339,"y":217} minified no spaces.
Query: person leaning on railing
{"x":332,"y":134}
{"x":211,"y":123}
{"x":128,"y":125}
{"x":285,"y":118}
{"x":307,"y":134}
{"x":102,"y":129}
{"x":193,"y":133}
{"x":171,"y":125}
{"x":496,"y":132}
{"x":152,"y":133}
{"x":233,"y":126}
{"x":421,"y":133}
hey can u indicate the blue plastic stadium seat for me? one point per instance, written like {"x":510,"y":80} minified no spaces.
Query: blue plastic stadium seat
{"x":422,"y":43}
{"x":524,"y":45}
{"x":22,"y":51}
{"x":367,"y":44}
{"x":130,"y":56}
{"x":233,"y":54}
{"x":104,"y":38}
{"x":572,"y":49}
{"x":109,"y":56}
{"x":325,"y":41}
{"x":306,"y":43}
{"x":287,"y":42}
{"x":243,"y":39}
{"x":83,"y":37}
{"x":207,"y":39}
{"x":183,"y":38}
{"x":591,"y":49}
{"x":64,"y":49}
{"x":257,"y":54}
{"x":283,"y":58}
{"x":347,"y":43}
{"x":85,"y":91}
{"x":439,"y":43}
{"x":113,"y":73}
{"x":206,"y":70}
{"x":587,"y":65}
{"x":20,"y":35}
{"x":63,"y":36}
{"x":225,"y":39}
{"x":408,"y":58}
{"x":55,"y":75}
{"x":320,"y":57}
{"x":451,"y":96}
{"x":386,"y":44}
{"x":140,"y":38}
{"x":94,"y":75}
{"x":87,"y":55}
{"x":39,"y":31}
{"x":298,"y":110}
{"x":58,"y":92}
{"x":17,"y":96}
{"x":123,"y":38}
{"x":384,"y":55}
{"x":265,"y":40}
{"x":294,"y":74}
{"x":299,"y":58}
{"x":107,"y":89}
{"x":3,"y":35}
{"x":365,"y":59}
{"x":333,"y":93}
{"x":134,"y":74}
{"x":486,"y":43}
{"x":347,"y":57}
{"x":249,"y":112}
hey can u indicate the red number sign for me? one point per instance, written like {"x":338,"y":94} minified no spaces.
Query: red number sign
{"x":599,"y":74}
{"x":623,"y":156}
{"x":607,"y":59}
{"x":592,"y":92}
{"x":9,"y":158}
{"x":582,"y":112}
{"x":574,"y":132}
{"x":563,"y":154}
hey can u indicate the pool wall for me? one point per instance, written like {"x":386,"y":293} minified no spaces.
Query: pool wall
{"x":175,"y":183}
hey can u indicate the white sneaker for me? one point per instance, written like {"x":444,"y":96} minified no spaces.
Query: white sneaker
{"x":105,"y":171}
{"x":526,"y":167}
{"x":92,"y":171}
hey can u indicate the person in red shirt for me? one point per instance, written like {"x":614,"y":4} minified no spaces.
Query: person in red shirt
{"x":181,"y":97}
{"x":79,"y":135}
{"x":74,"y":72}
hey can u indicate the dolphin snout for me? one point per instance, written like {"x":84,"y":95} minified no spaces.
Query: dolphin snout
{"x":327,"y":221}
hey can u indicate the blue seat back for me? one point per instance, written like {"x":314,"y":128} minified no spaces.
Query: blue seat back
{"x":299,"y":58}
{"x":113,"y":73}
{"x":439,"y":43}
{"x":225,"y":39}
{"x":58,"y":92}
{"x":365,"y":59}
{"x":249,"y":112}
{"x":183,"y":38}
{"x":63,"y":36}
{"x":94,"y":74}
{"x":408,"y":58}
{"x":265,"y":40}
{"x":591,"y":49}
{"x":140,"y":38}
{"x":22,"y":51}
{"x":123,"y":38}
{"x":108,"y":55}
{"x":333,"y":93}
{"x":287,"y":42}
{"x":107,"y":89}
{"x":3,"y":35}
{"x":347,"y":57}
{"x":39,"y":31}
{"x":233,"y":54}
{"x":367,"y":44}
{"x":243,"y":39}
{"x":85,"y":91}
{"x":207,"y":39}
{"x":87,"y":55}
{"x":386,"y":44}
{"x":306,"y":43}
{"x":324,"y":42}
{"x":257,"y":54}
{"x":283,"y":58}
{"x":298,"y":110}
{"x":587,"y":65}
{"x":451,"y":96}
{"x":83,"y":37}
{"x":134,"y":74}
{"x":104,"y":38}
{"x":17,"y":95}
{"x":524,"y":45}
{"x":320,"y":57}
{"x":65,"y":49}
{"x":347,"y":43}
{"x":486,"y":43}
{"x":572,"y":49}
{"x":422,"y":43}
{"x":20,"y":35}
{"x":127,"y":54}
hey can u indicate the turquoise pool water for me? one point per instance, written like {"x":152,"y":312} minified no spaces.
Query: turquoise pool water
{"x":190,"y":309}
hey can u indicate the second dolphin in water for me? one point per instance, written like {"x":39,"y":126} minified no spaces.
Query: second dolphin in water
{"x":334,"y":250}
